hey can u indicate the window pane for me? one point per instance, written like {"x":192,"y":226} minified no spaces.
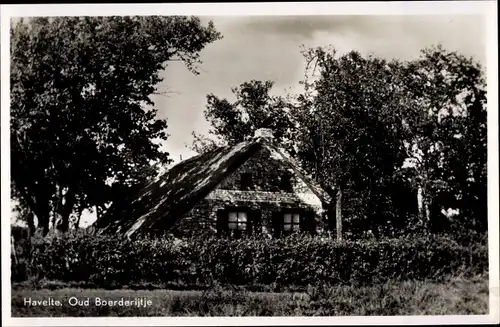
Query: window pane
{"x":242,"y":226}
{"x":233,"y":225}
{"x":242,"y":216}
{"x":287,"y":227}
{"x":288,"y":218}
{"x":296,"y":227}
{"x":233,"y":217}
{"x":296,"y":218}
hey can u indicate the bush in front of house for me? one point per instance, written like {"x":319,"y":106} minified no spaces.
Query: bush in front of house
{"x":114,"y":262}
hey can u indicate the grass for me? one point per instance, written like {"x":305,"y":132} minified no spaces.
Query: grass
{"x":455,"y":296}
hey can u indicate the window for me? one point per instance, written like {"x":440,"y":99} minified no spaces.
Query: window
{"x":285,"y":182}
{"x":291,"y":222}
{"x":246,"y":181}
{"x":238,"y":221}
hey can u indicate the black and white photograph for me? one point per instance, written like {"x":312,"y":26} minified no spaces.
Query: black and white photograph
{"x":176,"y":163}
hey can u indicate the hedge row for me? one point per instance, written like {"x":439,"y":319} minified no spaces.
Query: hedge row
{"x":295,"y":260}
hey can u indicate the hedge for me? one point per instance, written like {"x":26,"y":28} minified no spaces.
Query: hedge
{"x":295,"y":260}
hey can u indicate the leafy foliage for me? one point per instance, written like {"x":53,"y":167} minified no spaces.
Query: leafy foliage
{"x":254,"y":108}
{"x":443,"y":99}
{"x":348,"y":135}
{"x":290,"y":261}
{"x":83,"y":128}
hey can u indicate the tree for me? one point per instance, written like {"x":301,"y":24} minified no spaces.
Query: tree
{"x":254,"y":108}
{"x":83,"y":126}
{"x":348,"y":139}
{"x":445,"y":131}
{"x":362,"y":118}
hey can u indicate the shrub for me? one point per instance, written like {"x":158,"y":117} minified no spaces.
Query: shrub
{"x":299,"y":261}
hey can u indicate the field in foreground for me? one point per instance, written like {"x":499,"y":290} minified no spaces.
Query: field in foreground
{"x":456,"y":296}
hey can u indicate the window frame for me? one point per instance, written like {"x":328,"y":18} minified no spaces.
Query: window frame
{"x":253,"y":221}
{"x":292,"y":223}
{"x":306,"y":221}
{"x":237,"y":221}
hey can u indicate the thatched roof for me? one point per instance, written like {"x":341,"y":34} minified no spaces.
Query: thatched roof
{"x":160,"y":204}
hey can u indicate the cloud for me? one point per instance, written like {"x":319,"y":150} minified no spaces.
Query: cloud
{"x":306,"y":26}
{"x":383,"y":34}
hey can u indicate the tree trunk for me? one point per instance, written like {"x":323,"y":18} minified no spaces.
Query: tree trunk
{"x":43,"y":223}
{"x":427,"y":205}
{"x":98,"y":213}
{"x":30,"y":220}
{"x":62,"y":222}
{"x":62,"y":217}
{"x":31,"y":232}
{"x":338,"y":214}
{"x":39,"y":206}
{"x":13,"y":250}
{"x":424,"y":212}
{"x":420,"y":203}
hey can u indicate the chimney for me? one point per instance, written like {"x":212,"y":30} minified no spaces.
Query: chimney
{"x":264,"y":134}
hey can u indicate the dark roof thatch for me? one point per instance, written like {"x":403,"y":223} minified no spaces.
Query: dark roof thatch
{"x":161,"y":203}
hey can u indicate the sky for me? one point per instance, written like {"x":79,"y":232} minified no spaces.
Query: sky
{"x":268,"y":48}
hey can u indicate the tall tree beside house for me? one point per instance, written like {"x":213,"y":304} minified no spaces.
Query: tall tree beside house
{"x":445,"y":131}
{"x":347,"y":134}
{"x":83,"y":126}
{"x":430,"y":113}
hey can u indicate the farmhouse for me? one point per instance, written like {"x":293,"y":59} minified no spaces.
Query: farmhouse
{"x":253,"y":187}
